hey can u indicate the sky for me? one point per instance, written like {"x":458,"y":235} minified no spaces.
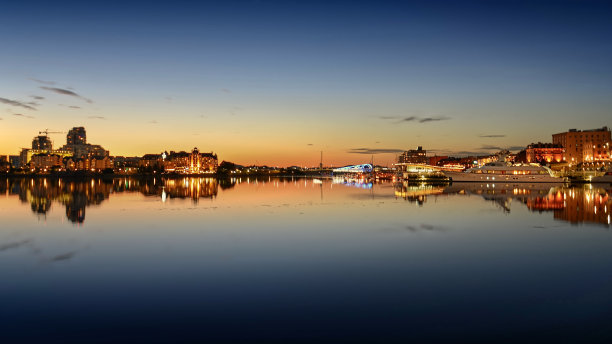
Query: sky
{"x":277,"y":82}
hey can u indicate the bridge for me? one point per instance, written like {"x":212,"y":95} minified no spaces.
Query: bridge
{"x":363,"y":168}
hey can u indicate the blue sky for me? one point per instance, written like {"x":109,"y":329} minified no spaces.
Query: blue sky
{"x":276,"y":82}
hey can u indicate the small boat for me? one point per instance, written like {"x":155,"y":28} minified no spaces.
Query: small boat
{"x":504,"y":172}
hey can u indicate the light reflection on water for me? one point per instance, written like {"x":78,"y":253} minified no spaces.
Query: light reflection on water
{"x":575,"y":204}
{"x":288,"y":260}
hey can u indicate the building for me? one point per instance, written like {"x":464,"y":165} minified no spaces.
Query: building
{"x":45,"y":162}
{"x":77,"y":146}
{"x":413,"y":156}
{"x":544,"y":153}
{"x":190,"y":163}
{"x":76,"y":136}
{"x":151,"y":161}
{"x":42,"y":142}
{"x":584,"y":145}
{"x":434,"y":160}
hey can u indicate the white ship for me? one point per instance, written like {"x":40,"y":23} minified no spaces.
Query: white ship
{"x":606,"y":178}
{"x":502,"y":172}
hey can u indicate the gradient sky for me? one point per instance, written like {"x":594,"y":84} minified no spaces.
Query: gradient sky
{"x":276,"y":82}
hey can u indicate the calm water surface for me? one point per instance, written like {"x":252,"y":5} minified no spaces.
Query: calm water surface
{"x":282,"y":260}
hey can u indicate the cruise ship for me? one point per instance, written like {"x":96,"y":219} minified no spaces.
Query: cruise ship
{"x":504,"y":172}
{"x":606,"y":178}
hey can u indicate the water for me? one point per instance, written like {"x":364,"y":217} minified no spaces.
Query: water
{"x":302,"y":260}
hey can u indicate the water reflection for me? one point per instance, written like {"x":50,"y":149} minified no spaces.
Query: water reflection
{"x":76,"y":196}
{"x":574,"y":204}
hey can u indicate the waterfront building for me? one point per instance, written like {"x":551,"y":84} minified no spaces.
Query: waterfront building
{"x":191,"y":163}
{"x":434,"y":160}
{"x":151,"y":161}
{"x":45,"y":162}
{"x":544,"y":153}
{"x":585,"y":145}
{"x":413,"y":156}
{"x":76,"y":147}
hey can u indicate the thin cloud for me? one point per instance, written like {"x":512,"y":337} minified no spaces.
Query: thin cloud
{"x":65,"y":256}
{"x":74,"y":107}
{"x":43,"y":81}
{"x":97,"y":117}
{"x":153,"y":122}
{"x":22,"y":115}
{"x":489,"y":147}
{"x":33,"y":103}
{"x":515,"y":148}
{"x":225,"y":90}
{"x":371,"y":151}
{"x":16,"y":103}
{"x":13,"y":245}
{"x":415,"y":119}
{"x":492,"y":135}
{"x":309,"y":144}
{"x":433,"y":119}
{"x":65,"y":92}
{"x":37,"y":97}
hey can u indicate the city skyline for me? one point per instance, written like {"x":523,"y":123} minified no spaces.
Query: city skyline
{"x":274,"y":83}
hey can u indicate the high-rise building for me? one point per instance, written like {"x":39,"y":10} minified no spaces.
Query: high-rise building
{"x":76,"y":136}
{"x":585,"y":145}
{"x":76,"y":143}
{"x":42,"y":142}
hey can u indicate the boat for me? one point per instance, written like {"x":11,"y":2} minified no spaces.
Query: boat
{"x":502,"y":172}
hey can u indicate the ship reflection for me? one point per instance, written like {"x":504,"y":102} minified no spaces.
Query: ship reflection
{"x":76,"y":196}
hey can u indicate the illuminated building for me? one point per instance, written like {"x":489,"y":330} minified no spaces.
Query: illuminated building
{"x":544,"y":152}
{"x":45,"y":161}
{"x":76,"y":144}
{"x":76,"y":136}
{"x":153,"y":161}
{"x":42,"y":142}
{"x":191,"y":163}
{"x":434,"y":160}
{"x":413,"y":156}
{"x":584,"y":145}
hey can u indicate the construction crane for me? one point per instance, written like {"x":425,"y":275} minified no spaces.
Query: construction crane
{"x":47,"y":132}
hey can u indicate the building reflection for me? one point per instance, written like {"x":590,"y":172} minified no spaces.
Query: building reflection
{"x":76,"y":196}
{"x":417,"y":192}
{"x":575,"y":204}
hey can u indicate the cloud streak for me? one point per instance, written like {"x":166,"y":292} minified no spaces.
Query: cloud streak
{"x":97,"y":117}
{"x":415,"y":119}
{"x":16,"y":103}
{"x":65,"y":92}
{"x":491,"y":135}
{"x":22,"y":115}
{"x":43,"y":81}
{"x":370,"y":151}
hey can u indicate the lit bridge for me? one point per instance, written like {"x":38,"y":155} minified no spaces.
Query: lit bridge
{"x":363,"y":168}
